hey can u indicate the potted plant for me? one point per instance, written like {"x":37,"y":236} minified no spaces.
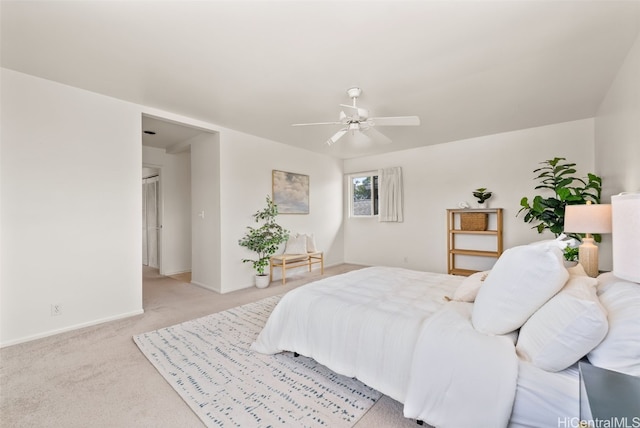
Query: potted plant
{"x":548,"y":212}
{"x":571,"y":256}
{"x":264,"y":241}
{"x":481,"y":195}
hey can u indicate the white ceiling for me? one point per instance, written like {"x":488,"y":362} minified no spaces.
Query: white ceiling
{"x":466,"y":68}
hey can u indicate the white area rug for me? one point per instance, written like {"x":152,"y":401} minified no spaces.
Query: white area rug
{"x":209,"y":363}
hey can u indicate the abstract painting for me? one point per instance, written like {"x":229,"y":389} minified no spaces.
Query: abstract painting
{"x":291,"y":192}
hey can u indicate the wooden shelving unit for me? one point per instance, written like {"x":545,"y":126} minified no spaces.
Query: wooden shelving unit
{"x":454,"y":229}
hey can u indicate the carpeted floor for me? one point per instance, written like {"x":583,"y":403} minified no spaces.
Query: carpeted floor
{"x":208,"y":361}
{"x":97,"y":377}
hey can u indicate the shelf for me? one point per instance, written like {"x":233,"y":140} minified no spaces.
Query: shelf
{"x":474,"y":232}
{"x":462,"y":272}
{"x":483,"y":239}
{"x":473,"y":210}
{"x":478,"y":253}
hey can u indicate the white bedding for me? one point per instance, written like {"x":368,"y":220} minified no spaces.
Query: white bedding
{"x":461,"y":377}
{"x":546,"y":399}
{"x":378,"y":325}
{"x":362,"y":324}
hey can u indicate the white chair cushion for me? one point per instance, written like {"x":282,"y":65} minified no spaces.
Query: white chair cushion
{"x":311,"y":244}
{"x":297,"y":244}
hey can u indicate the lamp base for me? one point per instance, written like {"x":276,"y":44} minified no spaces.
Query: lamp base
{"x":588,"y":256}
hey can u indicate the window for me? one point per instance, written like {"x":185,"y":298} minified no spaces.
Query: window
{"x":364,"y":195}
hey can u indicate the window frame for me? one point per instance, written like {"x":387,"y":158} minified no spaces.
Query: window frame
{"x":375,"y":195}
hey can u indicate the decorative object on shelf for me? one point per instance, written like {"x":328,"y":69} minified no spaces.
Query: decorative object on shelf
{"x":264,"y":241}
{"x":474,"y":221}
{"x":549,"y":212}
{"x":290,"y":192}
{"x":482,"y":196}
{"x":625,"y":217}
{"x":588,"y":218}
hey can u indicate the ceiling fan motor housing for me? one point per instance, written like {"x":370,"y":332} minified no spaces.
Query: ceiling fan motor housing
{"x":354,"y":92}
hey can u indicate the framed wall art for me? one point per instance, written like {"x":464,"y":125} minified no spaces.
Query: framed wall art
{"x":290,"y":192}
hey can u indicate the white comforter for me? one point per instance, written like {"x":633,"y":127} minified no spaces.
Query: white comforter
{"x":372,"y":324}
{"x":460,"y":377}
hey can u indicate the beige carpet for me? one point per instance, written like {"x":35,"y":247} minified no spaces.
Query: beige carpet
{"x":97,"y":377}
{"x":182,"y":277}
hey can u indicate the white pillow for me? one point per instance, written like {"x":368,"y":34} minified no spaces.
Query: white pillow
{"x":607,"y":280}
{"x":577,"y":270}
{"x":521,"y":281}
{"x":297,"y":244}
{"x":620,"y":349}
{"x":311,"y":244}
{"x":565,"y":328}
{"x":468,"y":288}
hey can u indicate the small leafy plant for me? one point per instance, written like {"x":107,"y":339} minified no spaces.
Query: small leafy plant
{"x":571,"y":254}
{"x":557,"y":177}
{"x":481,"y":194}
{"x":266,"y":239}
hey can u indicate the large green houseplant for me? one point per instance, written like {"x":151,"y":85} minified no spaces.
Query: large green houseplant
{"x":264,"y":240}
{"x":562,"y":188}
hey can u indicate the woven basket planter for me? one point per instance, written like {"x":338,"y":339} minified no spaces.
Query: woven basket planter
{"x":474,"y":221}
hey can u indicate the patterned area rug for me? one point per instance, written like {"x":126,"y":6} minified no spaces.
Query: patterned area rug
{"x":209,"y":363}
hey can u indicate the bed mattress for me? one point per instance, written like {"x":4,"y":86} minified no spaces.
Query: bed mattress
{"x":360,"y":324}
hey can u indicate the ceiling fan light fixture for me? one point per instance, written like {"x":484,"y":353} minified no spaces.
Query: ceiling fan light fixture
{"x":361,"y":122}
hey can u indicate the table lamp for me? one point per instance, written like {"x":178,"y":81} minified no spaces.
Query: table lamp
{"x":589,"y":218}
{"x":625,"y":216}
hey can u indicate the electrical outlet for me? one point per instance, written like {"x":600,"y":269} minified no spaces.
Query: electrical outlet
{"x":56,"y":309}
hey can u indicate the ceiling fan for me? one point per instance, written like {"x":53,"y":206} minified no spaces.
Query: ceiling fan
{"x":359,"y":120}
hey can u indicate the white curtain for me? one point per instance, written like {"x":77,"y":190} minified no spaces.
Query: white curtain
{"x":390,"y":194}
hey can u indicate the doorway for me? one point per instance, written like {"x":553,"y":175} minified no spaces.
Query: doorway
{"x":151,"y":221}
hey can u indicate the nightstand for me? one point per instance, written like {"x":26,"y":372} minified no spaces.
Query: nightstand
{"x":607,"y":395}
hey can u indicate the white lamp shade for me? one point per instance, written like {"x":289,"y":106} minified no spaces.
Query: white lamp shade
{"x":589,"y":218}
{"x":626,"y":236}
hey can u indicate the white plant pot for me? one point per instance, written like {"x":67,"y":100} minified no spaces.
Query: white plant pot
{"x":262,"y":281}
{"x":482,"y":205}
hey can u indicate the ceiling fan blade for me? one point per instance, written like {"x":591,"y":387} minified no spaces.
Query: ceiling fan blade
{"x":378,"y":136}
{"x":336,"y":136}
{"x":318,"y":123}
{"x":395,"y":121}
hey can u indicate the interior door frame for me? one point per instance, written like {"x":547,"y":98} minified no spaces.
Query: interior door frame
{"x":160,"y":215}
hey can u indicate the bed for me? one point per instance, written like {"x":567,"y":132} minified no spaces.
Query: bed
{"x":457,"y":351}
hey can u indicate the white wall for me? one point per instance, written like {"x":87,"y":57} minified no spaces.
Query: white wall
{"x":618,"y":129}
{"x":440,"y":176}
{"x":71,"y":204}
{"x":617,"y":138}
{"x":175,"y":189}
{"x":205,"y":208}
{"x":246,"y":181}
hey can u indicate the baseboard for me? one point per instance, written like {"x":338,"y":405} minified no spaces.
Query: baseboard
{"x":201,"y":285}
{"x":178,"y":272}
{"x":70,"y":328}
